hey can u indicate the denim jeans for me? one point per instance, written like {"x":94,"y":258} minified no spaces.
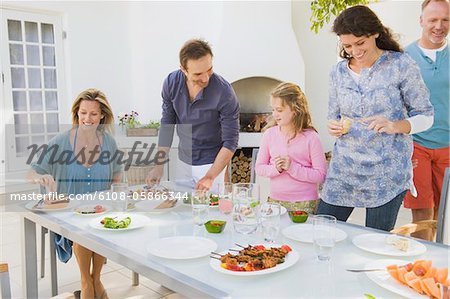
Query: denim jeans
{"x":382,"y":217}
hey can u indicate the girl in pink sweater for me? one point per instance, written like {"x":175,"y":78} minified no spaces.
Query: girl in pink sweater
{"x":291,"y":154}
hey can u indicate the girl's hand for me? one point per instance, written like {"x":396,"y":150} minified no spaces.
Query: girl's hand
{"x":279,"y":163}
{"x":47,"y":181}
{"x":335,"y":128}
{"x":286,"y":162}
{"x":381,"y":124}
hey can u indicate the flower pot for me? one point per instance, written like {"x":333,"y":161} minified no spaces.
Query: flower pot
{"x":142,"y":132}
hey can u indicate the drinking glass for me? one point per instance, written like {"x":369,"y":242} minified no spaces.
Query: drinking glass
{"x":270,"y":221}
{"x":200,"y":206}
{"x":324,"y":231}
{"x":245,"y":208}
{"x":225,"y":197}
{"x":120,"y":196}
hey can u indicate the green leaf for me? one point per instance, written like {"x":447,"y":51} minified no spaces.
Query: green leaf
{"x":322,"y":10}
{"x":369,"y":296}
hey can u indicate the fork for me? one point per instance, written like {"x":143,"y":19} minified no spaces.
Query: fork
{"x":364,"y":270}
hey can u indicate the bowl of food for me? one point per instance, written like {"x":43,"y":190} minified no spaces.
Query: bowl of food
{"x":298,"y":216}
{"x":215,"y":226}
{"x":213,"y":200}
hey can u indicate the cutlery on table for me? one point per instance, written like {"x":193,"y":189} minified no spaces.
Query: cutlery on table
{"x":364,"y":270}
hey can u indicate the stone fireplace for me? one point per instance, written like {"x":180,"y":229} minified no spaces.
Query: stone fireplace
{"x":254,"y":94}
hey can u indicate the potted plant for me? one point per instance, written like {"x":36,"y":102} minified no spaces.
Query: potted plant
{"x":135,"y":128}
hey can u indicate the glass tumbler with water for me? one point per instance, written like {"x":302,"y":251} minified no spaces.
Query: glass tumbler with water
{"x":119,"y":194}
{"x":225,"y":197}
{"x":245,"y":208}
{"x":200,"y":206}
{"x":270,"y":221}
{"x":324,"y":231}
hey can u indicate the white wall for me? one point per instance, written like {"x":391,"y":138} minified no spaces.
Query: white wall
{"x":159,"y":29}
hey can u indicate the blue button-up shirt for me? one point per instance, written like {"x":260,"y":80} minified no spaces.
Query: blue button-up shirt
{"x":204,"y":125}
{"x":369,"y":169}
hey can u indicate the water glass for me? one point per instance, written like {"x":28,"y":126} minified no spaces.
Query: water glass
{"x":270,"y":221}
{"x":245,"y":208}
{"x":225,"y":197}
{"x":119,"y":193}
{"x":324,"y":231}
{"x":200,"y":206}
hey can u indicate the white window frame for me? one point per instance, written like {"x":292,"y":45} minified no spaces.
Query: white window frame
{"x":12,"y":162}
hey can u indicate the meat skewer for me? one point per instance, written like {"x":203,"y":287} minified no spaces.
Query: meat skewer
{"x":253,"y":258}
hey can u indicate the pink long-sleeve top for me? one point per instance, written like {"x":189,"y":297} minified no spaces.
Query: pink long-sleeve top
{"x":307,"y":170}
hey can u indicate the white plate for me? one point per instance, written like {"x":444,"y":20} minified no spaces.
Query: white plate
{"x":89,"y":208}
{"x":384,"y":279}
{"x":150,"y":205}
{"x":304,"y":233}
{"x":137,"y":221}
{"x":182,"y":247}
{"x":289,"y":261}
{"x":376,"y":243}
{"x":31,"y":204}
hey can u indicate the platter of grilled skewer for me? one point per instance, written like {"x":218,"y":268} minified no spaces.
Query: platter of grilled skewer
{"x":254,"y":259}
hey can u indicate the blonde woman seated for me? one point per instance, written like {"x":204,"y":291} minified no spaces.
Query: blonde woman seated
{"x":90,"y":137}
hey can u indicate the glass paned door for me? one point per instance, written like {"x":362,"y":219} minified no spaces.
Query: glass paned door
{"x":33,"y":83}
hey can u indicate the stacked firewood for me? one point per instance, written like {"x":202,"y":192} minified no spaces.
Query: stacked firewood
{"x":241,"y":168}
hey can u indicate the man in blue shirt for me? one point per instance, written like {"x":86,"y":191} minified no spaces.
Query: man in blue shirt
{"x":205,"y":109}
{"x":431,"y":147}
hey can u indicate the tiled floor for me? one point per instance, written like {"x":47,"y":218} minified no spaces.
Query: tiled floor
{"x":116,"y":278}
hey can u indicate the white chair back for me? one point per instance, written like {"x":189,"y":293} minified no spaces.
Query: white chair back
{"x":5,"y":286}
{"x":443,"y":221}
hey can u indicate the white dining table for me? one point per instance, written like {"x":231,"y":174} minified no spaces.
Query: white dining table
{"x":195,"y":278}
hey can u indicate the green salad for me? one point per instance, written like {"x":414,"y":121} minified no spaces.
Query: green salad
{"x":109,"y":222}
{"x":213,"y":199}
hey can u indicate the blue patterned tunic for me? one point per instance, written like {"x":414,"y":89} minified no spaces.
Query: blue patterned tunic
{"x":369,"y":169}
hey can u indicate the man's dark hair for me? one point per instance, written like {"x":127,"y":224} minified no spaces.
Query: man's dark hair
{"x":194,"y":49}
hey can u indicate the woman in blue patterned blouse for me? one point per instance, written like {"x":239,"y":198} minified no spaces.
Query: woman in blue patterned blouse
{"x":377,"y":98}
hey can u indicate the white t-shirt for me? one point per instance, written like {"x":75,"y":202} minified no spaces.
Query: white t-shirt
{"x":431,"y":53}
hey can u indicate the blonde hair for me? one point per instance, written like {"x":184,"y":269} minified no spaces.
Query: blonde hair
{"x":92,"y":94}
{"x":292,"y":96}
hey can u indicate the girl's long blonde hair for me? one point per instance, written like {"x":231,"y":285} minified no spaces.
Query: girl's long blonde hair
{"x":292,"y":95}
{"x":92,"y":94}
